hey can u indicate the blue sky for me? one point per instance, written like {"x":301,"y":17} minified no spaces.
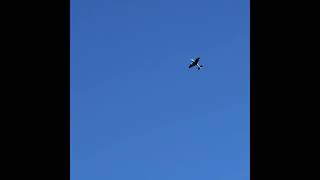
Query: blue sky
{"x":138,"y":112}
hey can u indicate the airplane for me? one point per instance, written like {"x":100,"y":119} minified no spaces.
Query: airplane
{"x":195,"y":62}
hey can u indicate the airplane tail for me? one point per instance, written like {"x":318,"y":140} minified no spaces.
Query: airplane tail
{"x":199,"y":67}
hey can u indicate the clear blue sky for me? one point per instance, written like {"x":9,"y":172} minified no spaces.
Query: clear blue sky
{"x":138,"y":112}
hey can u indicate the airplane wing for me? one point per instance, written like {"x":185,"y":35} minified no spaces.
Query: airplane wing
{"x":191,"y":65}
{"x":197,"y":60}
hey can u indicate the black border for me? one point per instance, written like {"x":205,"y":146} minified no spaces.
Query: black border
{"x":40,"y":91}
{"x":277,"y":137}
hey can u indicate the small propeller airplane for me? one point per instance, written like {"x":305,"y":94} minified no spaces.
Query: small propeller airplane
{"x":195,"y":62}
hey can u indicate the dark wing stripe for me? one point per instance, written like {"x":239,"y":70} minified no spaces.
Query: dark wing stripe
{"x":197,"y":59}
{"x":191,"y":65}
